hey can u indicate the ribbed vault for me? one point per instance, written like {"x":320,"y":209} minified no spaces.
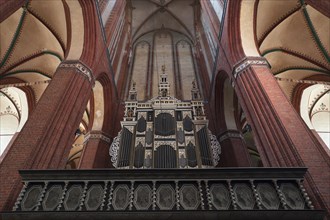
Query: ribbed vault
{"x":294,"y":37}
{"x":162,"y":14}
{"x":36,"y":38}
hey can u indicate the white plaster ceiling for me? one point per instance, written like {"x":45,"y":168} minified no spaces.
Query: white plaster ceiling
{"x":315,"y":110}
{"x":13,"y":114}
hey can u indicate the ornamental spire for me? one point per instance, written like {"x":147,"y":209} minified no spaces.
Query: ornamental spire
{"x":132,"y":92}
{"x":163,"y":85}
{"x":195,"y":94}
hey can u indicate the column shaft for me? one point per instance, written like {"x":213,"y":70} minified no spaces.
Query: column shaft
{"x":234,"y":152}
{"x":282,"y":137}
{"x":96,"y":151}
{"x":46,"y":138}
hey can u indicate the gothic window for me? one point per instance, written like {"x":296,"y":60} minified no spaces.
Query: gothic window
{"x":218,"y":8}
{"x":315,"y":110}
{"x":13,"y":114}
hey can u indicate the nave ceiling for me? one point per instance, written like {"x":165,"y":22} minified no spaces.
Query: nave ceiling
{"x":150,"y":15}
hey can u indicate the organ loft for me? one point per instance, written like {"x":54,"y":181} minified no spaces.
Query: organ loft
{"x":164,"y":132}
{"x":164,"y":109}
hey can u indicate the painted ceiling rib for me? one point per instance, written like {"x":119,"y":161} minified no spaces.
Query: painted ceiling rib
{"x":255,"y":15}
{"x":12,"y":101}
{"x":25,"y":71}
{"x":24,"y":84}
{"x":273,"y":26}
{"x":87,"y":113}
{"x":161,"y":9}
{"x":42,"y":21}
{"x":303,"y":81}
{"x":14,"y":40}
{"x":75,"y":155}
{"x":296,"y":54}
{"x":302,"y":68}
{"x":85,"y":124}
{"x":68,"y":27}
{"x":315,"y":102}
{"x":156,"y":3}
{"x":161,"y":5}
{"x":180,"y":22}
{"x":159,"y":29}
{"x":315,"y":35}
{"x":26,"y":59}
{"x":143,"y":22}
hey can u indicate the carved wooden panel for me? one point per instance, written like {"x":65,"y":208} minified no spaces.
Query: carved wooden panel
{"x":189,"y":197}
{"x":292,"y":196}
{"x":94,"y":197}
{"x":73,"y":196}
{"x":244,"y":196}
{"x":268,"y":196}
{"x":52,"y":198}
{"x":220,"y":196}
{"x":121,"y":197}
{"x":142,"y":197}
{"x":31,"y":198}
{"x":165,"y":197}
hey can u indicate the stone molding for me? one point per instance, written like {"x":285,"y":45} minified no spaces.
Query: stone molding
{"x":247,"y":62}
{"x":229,"y":134}
{"x":80,"y":68}
{"x":99,"y":135}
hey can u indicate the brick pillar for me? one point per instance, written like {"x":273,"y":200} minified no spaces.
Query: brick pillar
{"x":234,"y":151}
{"x":282,"y":137}
{"x":46,"y":138}
{"x":96,"y":151}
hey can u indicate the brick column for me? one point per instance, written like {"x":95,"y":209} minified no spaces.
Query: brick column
{"x":234,"y":151}
{"x":282,"y":137}
{"x":96,"y":151}
{"x":46,"y":138}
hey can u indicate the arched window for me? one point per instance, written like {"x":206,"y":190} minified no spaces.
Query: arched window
{"x":315,"y":110}
{"x":218,"y":8}
{"x":13,"y":115}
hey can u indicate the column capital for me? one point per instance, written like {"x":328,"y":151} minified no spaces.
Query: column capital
{"x":229,"y":134}
{"x":98,"y":135}
{"x":80,"y":68}
{"x":246,"y":62}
